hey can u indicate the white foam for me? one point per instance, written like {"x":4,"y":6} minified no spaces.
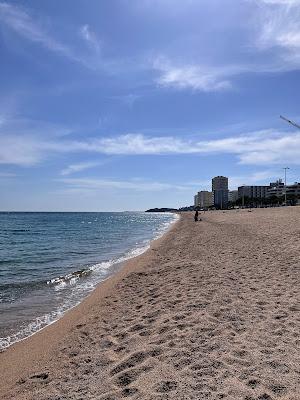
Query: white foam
{"x":35,"y":326}
{"x":83,"y":288}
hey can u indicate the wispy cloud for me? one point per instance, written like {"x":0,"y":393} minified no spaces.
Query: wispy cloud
{"x":276,"y":24}
{"x":86,"y":185}
{"x":136,"y":185}
{"x":73,"y":168}
{"x":264,"y":147}
{"x":279,"y":31}
{"x":26,"y":25}
{"x":282,"y":2}
{"x":26,"y":142}
{"x":196,"y":77}
{"x":23,"y":23}
{"x":257,"y":148}
{"x":18,"y":150}
{"x":275,"y":32}
{"x":90,"y":37}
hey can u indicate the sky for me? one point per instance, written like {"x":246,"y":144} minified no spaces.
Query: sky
{"x":129,"y":104}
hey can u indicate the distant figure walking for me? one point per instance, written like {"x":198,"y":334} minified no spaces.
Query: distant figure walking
{"x":196,"y":216}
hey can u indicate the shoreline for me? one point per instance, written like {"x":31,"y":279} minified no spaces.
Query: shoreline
{"x":210,"y":311}
{"x":115,"y":265}
{"x":53,"y":332}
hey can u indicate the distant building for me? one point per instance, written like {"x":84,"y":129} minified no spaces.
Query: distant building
{"x":220,"y":191}
{"x":233,"y":195}
{"x":196,"y":200}
{"x":205,"y":199}
{"x":293,"y":189}
{"x":276,"y":189}
{"x":253,"y":192}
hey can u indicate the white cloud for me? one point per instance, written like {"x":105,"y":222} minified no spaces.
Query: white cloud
{"x":137,"y":144}
{"x":279,"y":31}
{"x":264,"y":147}
{"x":87,"y":185}
{"x":282,"y":2}
{"x":97,"y":184}
{"x":79,"y":167}
{"x":257,"y":148}
{"x":21,"y":21}
{"x":21,"y":141}
{"x":196,"y":77}
{"x":273,"y":30}
{"x":20,"y":150}
{"x":90,"y":37}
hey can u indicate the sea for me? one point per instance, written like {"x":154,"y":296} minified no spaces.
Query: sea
{"x":49,"y":262}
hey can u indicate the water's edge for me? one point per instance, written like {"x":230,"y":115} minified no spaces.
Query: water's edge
{"x":111,"y":267}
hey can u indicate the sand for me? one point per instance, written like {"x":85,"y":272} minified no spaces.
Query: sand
{"x":211,"y":311}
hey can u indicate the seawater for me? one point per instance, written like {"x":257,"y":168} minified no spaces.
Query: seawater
{"x":49,"y":262}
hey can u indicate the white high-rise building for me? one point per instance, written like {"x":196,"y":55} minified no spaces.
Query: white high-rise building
{"x":220,"y":191}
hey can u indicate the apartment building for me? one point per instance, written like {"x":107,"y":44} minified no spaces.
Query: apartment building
{"x":220,"y":191}
{"x":253,"y":192}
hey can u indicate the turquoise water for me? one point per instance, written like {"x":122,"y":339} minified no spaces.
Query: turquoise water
{"x":50,"y":261}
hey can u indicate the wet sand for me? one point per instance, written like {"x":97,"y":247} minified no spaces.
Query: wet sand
{"x":211,"y":311}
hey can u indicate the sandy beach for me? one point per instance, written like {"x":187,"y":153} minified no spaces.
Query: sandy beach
{"x":211,"y":311}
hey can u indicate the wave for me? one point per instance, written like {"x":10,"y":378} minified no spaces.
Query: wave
{"x":82,"y":282}
{"x":71,"y":278}
{"x":35,"y":326}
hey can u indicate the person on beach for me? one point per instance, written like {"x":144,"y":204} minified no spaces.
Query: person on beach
{"x":196,"y":216}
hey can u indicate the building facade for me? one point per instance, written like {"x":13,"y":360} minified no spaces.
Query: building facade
{"x":220,"y":191}
{"x":293,"y":189}
{"x":276,"y":189}
{"x":233,"y":195}
{"x":205,"y":199}
{"x":253,"y":192}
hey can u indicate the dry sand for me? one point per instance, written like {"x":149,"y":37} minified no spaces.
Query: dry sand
{"x":210,"y":312}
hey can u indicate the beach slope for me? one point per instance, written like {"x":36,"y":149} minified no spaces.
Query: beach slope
{"x":211,"y":311}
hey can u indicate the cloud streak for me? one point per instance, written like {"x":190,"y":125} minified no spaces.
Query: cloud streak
{"x":254,"y":148}
{"x":274,"y":31}
{"x":97,"y":184}
{"x":276,"y":24}
{"x":196,"y":77}
{"x":73,"y":168}
{"x":88,"y":185}
{"x":22,"y":22}
{"x":90,"y":37}
{"x":279,"y":31}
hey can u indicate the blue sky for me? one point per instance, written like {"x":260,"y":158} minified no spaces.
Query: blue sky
{"x":131,"y":104}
